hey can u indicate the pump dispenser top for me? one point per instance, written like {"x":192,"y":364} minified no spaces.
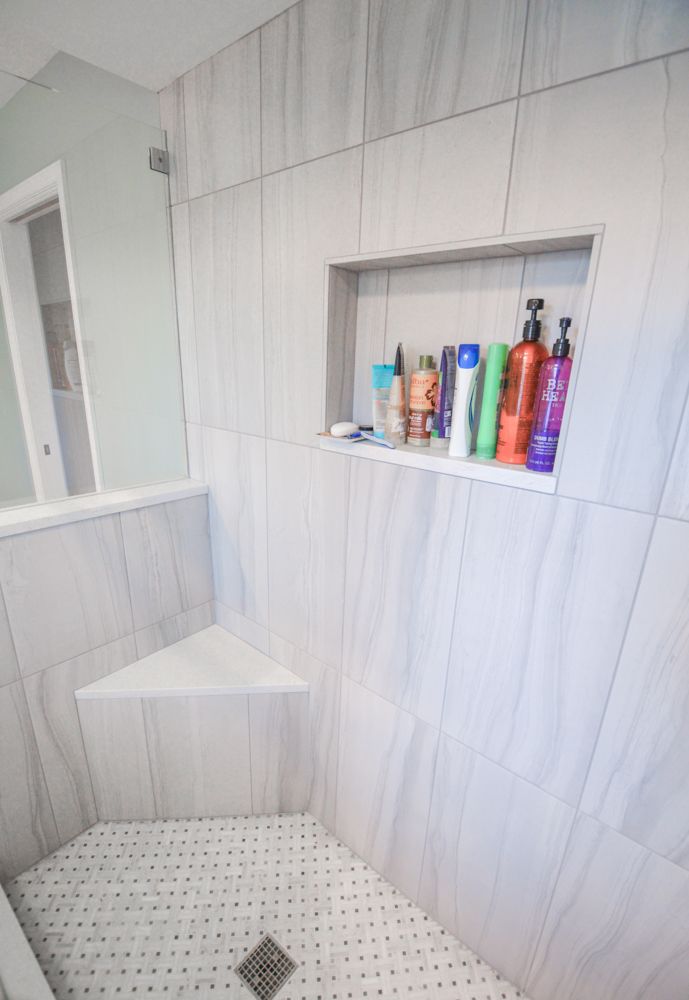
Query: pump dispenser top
{"x":561,"y":345}
{"x":532,"y":327}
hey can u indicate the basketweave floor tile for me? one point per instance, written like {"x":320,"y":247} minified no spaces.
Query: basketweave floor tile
{"x":168,"y":908}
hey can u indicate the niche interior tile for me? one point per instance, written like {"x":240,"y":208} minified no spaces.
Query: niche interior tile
{"x":168,"y":559}
{"x":312,"y":81}
{"x":244,"y":628}
{"x":226,"y":255}
{"x":385,"y":777}
{"x":309,"y":213}
{"x":439,"y":183}
{"x":307,"y":524}
{"x":404,"y":549}
{"x":324,"y":713}
{"x":222,"y":117}
{"x":117,"y":755}
{"x":371,"y":312}
{"x":236,"y":474}
{"x":544,"y":598}
{"x":636,"y":121}
{"x":567,"y":39}
{"x":617,"y":926}
{"x":199,"y":753}
{"x":27,"y":827}
{"x":154,"y":637}
{"x":76,"y":575}
{"x":50,"y":696}
{"x":280,"y":752}
{"x":172,"y":120}
{"x":186,"y":325}
{"x":9,"y":668}
{"x":430,"y":59}
{"x":675,"y":502}
{"x":637,"y":782}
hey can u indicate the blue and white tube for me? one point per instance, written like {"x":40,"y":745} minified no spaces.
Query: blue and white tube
{"x":463,"y":415}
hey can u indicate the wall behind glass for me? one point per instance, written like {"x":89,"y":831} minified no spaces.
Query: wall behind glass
{"x":117,"y":222}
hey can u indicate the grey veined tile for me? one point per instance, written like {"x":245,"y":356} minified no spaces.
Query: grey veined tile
{"x":638,"y":780}
{"x":184,"y":298}
{"x":27,"y":827}
{"x":404,"y":551}
{"x":385,"y":776}
{"x":226,"y":255}
{"x":494,"y":848}
{"x":675,"y":501}
{"x":307,"y":524}
{"x":634,"y":373}
{"x":617,"y":926}
{"x":65,"y":590}
{"x":439,"y":183}
{"x":430,"y":59}
{"x":544,"y":598}
{"x":50,"y":696}
{"x":9,"y":668}
{"x":222,"y":117}
{"x":236,"y":473}
{"x":172,"y":120}
{"x":567,"y":39}
{"x":309,"y":213}
{"x":280,"y":752}
{"x":168,"y":559}
{"x":312,"y":81}
{"x":164,"y":633}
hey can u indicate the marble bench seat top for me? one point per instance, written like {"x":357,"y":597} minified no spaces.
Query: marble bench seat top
{"x":209,"y":662}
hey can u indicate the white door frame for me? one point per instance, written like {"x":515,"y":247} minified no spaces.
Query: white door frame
{"x":22,"y":313}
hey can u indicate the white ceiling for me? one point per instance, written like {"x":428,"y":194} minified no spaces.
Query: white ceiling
{"x":150,"y":42}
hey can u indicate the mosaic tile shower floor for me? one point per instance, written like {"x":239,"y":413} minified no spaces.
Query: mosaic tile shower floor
{"x":167,"y":909}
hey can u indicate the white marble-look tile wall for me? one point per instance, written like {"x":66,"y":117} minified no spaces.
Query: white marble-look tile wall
{"x":452,"y":151}
{"x":73,"y":610}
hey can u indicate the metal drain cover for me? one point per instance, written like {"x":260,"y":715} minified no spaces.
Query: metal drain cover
{"x":266,"y":968}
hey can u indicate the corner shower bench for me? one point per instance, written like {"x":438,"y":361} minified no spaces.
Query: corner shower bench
{"x":209,"y":726}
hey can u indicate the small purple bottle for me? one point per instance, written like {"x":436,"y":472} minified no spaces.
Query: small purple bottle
{"x":553,"y":382}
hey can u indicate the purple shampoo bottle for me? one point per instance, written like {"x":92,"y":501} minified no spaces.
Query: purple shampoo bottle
{"x":551,"y":394}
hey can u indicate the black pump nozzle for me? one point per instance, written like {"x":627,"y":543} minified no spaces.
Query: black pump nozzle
{"x":561,"y":345}
{"x":532,"y":327}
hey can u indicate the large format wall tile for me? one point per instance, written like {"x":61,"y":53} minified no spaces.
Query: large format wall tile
{"x":307,"y":525}
{"x":168,"y":559}
{"x":65,"y":590}
{"x":675,"y":502}
{"x":199,"y":754}
{"x":439,"y":183}
{"x":404,"y":549}
{"x":493,"y":851}
{"x":309,"y":213}
{"x":186,"y":325}
{"x":430,"y":59}
{"x":165,"y":633}
{"x":544,"y":598}
{"x":50,"y":695}
{"x":244,"y":628}
{"x":634,"y":373}
{"x":618,"y":926}
{"x":9,"y":668}
{"x":385,"y":777}
{"x":312,"y":81}
{"x":280,"y":752}
{"x":222,"y":116}
{"x":27,"y":827}
{"x":567,"y":39}
{"x":236,"y":473}
{"x":172,"y":120}
{"x":117,"y":754}
{"x":226,"y":255}
{"x":324,"y":714}
{"x":638,"y":780}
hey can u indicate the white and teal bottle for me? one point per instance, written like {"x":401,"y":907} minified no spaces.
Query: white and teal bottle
{"x":465,"y":400}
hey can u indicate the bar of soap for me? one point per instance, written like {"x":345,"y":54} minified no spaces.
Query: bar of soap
{"x":343,"y":429}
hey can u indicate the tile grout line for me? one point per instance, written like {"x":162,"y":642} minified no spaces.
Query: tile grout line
{"x":440,"y":732}
{"x":363,"y":122}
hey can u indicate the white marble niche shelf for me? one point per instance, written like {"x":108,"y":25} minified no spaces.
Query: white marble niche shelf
{"x":425,"y":297}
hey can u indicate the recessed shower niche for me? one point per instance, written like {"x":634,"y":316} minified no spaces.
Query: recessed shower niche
{"x":474,"y":291}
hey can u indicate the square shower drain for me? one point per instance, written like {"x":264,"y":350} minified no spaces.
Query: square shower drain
{"x":266,"y":968}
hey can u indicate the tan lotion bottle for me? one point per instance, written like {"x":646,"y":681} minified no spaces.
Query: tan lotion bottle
{"x":422,"y":392}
